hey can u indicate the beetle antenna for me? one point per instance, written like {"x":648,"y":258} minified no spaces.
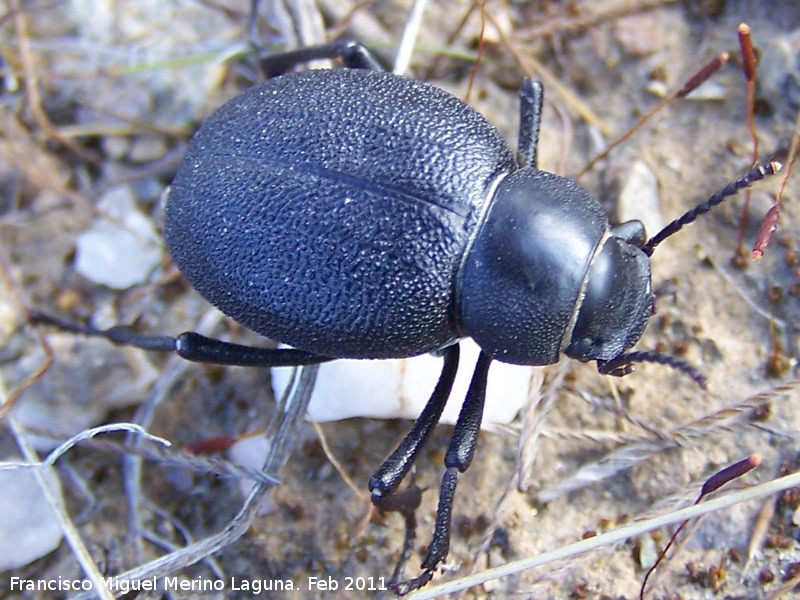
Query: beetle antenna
{"x":624,"y":364}
{"x":757,"y":173}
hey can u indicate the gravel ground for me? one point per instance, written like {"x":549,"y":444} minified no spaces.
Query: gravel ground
{"x":98,"y":102}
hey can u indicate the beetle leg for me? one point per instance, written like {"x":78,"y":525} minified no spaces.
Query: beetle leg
{"x":384,"y":482}
{"x":199,"y":348}
{"x":457,"y":460}
{"x":386,"y":479}
{"x":354,"y":55}
{"x":406,"y":502}
{"x":531,"y":97}
{"x":190,"y":346}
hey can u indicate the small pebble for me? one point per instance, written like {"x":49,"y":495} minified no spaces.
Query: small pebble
{"x":659,"y":89}
{"x":121,"y":248}
{"x":29,"y":529}
{"x":251,"y":452}
{"x":639,"y":198}
{"x":640,"y":34}
{"x":147,"y":148}
{"x":710,"y":91}
{"x":399,"y":389}
{"x":647,"y":551}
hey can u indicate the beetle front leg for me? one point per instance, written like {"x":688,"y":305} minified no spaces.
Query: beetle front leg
{"x":457,"y":460}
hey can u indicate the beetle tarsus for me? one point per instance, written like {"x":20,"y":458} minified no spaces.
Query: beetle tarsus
{"x":405,"y":587}
{"x":120,"y":335}
{"x":406,"y":502}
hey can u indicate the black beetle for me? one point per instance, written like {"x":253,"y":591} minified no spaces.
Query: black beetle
{"x":353,"y":213}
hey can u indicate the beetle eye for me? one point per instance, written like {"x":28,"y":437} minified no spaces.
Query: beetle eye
{"x":632,"y":232}
{"x":581,"y":349}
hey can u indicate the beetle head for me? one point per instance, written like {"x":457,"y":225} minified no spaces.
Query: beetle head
{"x":617,"y":300}
{"x":616,"y":306}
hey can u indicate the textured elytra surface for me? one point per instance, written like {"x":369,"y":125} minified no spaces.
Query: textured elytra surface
{"x":330,"y":210}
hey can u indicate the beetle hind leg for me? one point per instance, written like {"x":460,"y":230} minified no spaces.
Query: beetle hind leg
{"x":190,"y":346}
{"x":354,"y":55}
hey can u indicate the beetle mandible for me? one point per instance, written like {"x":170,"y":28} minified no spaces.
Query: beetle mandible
{"x":353,"y":213}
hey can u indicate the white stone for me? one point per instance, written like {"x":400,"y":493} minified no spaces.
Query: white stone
{"x":29,"y":529}
{"x":121,"y":248}
{"x":399,"y":389}
{"x":251,"y":452}
{"x":640,"y":199}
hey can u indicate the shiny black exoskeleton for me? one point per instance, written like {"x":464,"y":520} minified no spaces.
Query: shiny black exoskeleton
{"x":354,"y":213}
{"x":357,"y":214}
